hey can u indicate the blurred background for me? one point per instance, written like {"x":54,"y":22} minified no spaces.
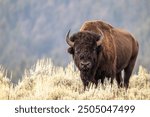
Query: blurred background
{"x":33,"y":29}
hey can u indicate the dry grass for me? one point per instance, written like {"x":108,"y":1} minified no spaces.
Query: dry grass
{"x":48,"y":82}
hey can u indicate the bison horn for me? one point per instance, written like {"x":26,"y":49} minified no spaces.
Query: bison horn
{"x":68,"y":39}
{"x":101,"y":38}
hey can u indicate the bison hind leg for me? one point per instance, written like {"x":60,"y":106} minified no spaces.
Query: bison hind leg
{"x":128,"y":71}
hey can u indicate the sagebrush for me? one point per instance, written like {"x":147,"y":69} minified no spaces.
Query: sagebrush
{"x":45,"y":81}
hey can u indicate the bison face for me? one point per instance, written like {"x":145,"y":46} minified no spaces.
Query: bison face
{"x":85,"y":56}
{"x":85,"y":47}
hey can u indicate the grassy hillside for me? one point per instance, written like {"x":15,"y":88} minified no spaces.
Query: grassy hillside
{"x":46,"y":81}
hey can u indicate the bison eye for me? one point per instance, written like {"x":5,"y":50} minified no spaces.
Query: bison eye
{"x":88,"y":57}
{"x":81,"y":56}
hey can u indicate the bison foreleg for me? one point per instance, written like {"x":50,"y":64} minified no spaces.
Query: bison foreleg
{"x":119,"y":80}
{"x":85,"y":83}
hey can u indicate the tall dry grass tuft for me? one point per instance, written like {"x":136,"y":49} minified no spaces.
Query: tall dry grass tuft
{"x":6,"y":87}
{"x":49,"y":82}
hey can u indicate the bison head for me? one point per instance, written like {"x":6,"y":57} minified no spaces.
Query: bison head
{"x":85,"y":47}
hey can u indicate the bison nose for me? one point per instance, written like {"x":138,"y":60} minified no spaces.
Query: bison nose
{"x":85,"y":64}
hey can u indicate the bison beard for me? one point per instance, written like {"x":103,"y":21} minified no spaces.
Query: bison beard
{"x":87,"y":77}
{"x":100,"y":50}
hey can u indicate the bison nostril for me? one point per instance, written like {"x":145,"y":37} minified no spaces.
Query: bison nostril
{"x":82,"y":64}
{"x":85,"y":64}
{"x":88,"y":63}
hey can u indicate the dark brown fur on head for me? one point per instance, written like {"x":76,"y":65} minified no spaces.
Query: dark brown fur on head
{"x":85,"y":51}
{"x":82,"y":39}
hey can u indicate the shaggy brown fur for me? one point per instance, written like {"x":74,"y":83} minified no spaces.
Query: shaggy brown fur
{"x":107,"y":63}
{"x":119,"y":52}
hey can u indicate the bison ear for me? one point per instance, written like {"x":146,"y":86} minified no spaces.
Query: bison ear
{"x":99,"y":48}
{"x":70,"y":50}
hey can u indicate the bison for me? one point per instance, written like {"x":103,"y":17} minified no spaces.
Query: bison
{"x":100,"y":50}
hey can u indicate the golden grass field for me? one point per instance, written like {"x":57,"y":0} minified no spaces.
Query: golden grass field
{"x":45,"y":81}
